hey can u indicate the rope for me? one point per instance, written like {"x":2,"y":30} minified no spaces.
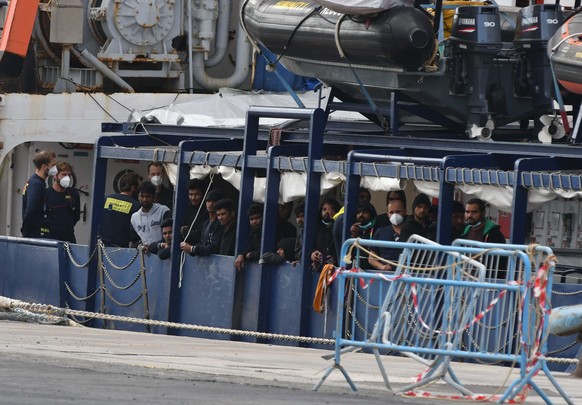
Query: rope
{"x":183,"y":254}
{"x":22,"y":315}
{"x":56,"y":311}
{"x":326,"y":277}
{"x":560,"y":360}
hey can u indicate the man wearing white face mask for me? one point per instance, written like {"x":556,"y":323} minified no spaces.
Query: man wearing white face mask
{"x":396,"y":212}
{"x":163,"y":195}
{"x":34,"y":194}
{"x":63,"y":205}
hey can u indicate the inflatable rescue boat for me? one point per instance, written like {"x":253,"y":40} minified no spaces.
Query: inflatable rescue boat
{"x":565,"y":50}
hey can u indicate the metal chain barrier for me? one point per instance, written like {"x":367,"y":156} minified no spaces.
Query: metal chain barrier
{"x":115,"y":266}
{"x":365,"y":302}
{"x":70,"y":291}
{"x":566,"y":294}
{"x":67,"y":247}
{"x":103,"y":258}
{"x":568,"y":346}
{"x":114,"y":284}
{"x":121,"y":304}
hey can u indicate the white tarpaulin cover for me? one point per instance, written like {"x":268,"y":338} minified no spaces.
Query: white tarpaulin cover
{"x":500,"y":197}
{"x":293,"y":184}
{"x":362,"y":6}
{"x":228,"y":109}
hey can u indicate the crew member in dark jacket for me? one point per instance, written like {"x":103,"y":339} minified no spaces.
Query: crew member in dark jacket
{"x":34,"y":196}
{"x":163,"y":195}
{"x":63,"y":205}
{"x":116,"y":228}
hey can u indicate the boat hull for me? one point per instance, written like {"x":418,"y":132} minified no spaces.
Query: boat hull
{"x":565,"y":49}
{"x":400,"y":37}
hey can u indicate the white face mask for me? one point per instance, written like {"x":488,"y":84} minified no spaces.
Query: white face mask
{"x":65,"y":182}
{"x":156,"y":180}
{"x":53,"y":171}
{"x":396,"y":219}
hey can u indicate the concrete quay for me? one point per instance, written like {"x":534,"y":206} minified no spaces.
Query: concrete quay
{"x":217,"y":371}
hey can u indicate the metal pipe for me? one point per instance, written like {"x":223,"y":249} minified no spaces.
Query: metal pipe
{"x":103,"y":68}
{"x":241,"y":71}
{"x":190,"y":45}
{"x":9,"y":161}
{"x":373,"y":157}
{"x":66,"y":62}
{"x":221,"y":41}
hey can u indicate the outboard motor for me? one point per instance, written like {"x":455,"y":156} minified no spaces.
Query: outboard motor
{"x":535,"y":26}
{"x":475,"y":41}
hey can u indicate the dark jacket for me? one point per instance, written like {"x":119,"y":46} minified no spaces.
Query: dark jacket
{"x":284,"y":230}
{"x":33,"y":213}
{"x":228,"y":240}
{"x":388,"y":234}
{"x":63,"y":210}
{"x":383,"y":220}
{"x":299,"y":244}
{"x":324,"y":243}
{"x":116,"y":229}
{"x":491,"y":233}
{"x":190,"y":217}
{"x":165,"y":197}
{"x":164,"y":253}
{"x":364,"y":234}
{"x":253,"y":252}
{"x":412,"y":227}
{"x":210,"y":239}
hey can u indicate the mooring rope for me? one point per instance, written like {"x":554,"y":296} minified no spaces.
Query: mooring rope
{"x":10,"y":304}
{"x":25,"y":311}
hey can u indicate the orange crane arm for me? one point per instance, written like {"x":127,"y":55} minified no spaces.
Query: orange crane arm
{"x":16,"y":35}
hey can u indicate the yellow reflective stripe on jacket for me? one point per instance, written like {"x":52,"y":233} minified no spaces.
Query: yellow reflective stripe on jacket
{"x":118,"y":205}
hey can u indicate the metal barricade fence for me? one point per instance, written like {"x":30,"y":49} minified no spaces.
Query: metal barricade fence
{"x":438,"y":305}
{"x":538,"y":305}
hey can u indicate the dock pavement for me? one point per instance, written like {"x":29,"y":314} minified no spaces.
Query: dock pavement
{"x":36,"y":353}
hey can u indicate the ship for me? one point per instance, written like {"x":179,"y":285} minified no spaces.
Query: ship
{"x":111,"y":86}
